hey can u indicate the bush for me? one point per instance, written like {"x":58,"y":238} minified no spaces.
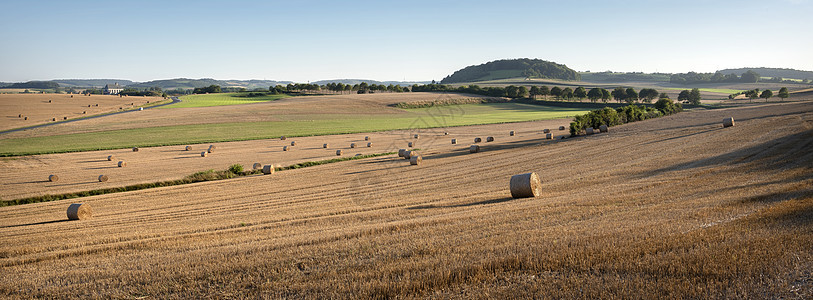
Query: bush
{"x":667,"y":107}
{"x":236,"y":168}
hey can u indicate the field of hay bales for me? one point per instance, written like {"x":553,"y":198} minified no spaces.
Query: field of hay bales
{"x":675,"y":207}
{"x":38,"y":109}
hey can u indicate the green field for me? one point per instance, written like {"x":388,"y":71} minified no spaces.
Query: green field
{"x":220,"y":100}
{"x":301,"y":125}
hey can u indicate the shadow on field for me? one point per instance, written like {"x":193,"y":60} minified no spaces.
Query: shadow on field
{"x":37,"y":223}
{"x":785,"y":152}
{"x":30,"y":182}
{"x":684,"y":136}
{"x":101,"y":168}
{"x":92,"y":161}
{"x":484,"y":202}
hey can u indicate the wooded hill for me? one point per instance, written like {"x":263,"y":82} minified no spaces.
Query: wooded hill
{"x":512,"y":68}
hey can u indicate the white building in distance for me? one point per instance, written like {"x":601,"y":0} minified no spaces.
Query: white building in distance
{"x":113,"y":89}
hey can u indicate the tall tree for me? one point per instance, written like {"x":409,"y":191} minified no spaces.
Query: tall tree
{"x":783,"y":93}
{"x":567,"y":93}
{"x":766,"y":94}
{"x":556,"y":91}
{"x":632,"y":95}
{"x":534,"y":92}
{"x":544,"y":91}
{"x":684,"y":95}
{"x":594,"y":94}
{"x":694,"y":96}
{"x":522,"y":91}
{"x":648,"y":95}
{"x":619,"y":94}
{"x":605,"y":95}
{"x":580,"y":93}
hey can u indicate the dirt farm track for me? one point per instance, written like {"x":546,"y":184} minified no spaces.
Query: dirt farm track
{"x":675,"y":207}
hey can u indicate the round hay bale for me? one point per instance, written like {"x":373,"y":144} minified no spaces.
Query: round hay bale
{"x":49,"y":100}
{"x":415,"y":136}
{"x":546,"y":130}
{"x":477,"y":140}
{"x":110,"y":157}
{"x":561,"y":128}
{"x":284,"y":148}
{"x":135,"y":149}
{"x":25,"y":118}
{"x":588,"y":130}
{"x":511,"y":133}
{"x":88,"y":105}
{"x":352,"y":145}
{"x":474,"y":149}
{"x":53,"y":178}
{"x":366,"y":138}
{"x":445,"y":133}
{"x":410,"y":144}
{"x":454,"y":141}
{"x":103,"y":178}
{"x":257,"y":166}
{"x":79,"y":211}
{"x":325,"y":146}
{"x":188,"y":148}
{"x":728,"y":122}
{"x":53,"y":119}
{"x":415,"y":160}
{"x":84,"y":112}
{"x":339,"y":152}
{"x":97,"y":104}
{"x":282,"y":138}
{"x":549,"y":136}
{"x":489,"y":139}
{"x":211,"y":148}
{"x":122,"y":164}
{"x":64,"y":118}
{"x":525,"y":185}
{"x":401,"y":152}
{"x":603,"y":128}
{"x":268,"y":169}
{"x":410,"y":154}
{"x":370,"y":144}
{"x":293,"y":143}
{"x":20,"y":115}
{"x":203,"y":154}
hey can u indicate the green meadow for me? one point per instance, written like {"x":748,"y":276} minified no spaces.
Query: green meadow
{"x":301,"y":125}
{"x":220,"y":100}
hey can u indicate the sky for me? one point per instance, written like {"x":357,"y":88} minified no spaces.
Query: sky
{"x":306,"y":41}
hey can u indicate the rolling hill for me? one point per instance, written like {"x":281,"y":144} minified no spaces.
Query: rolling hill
{"x":511,"y":68}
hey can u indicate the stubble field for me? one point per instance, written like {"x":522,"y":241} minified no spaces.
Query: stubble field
{"x":671,"y":207}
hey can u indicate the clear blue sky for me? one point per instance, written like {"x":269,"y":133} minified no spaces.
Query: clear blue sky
{"x":391,"y":40}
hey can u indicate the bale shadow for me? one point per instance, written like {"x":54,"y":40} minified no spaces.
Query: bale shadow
{"x":37,"y":223}
{"x":30,"y":182}
{"x":101,"y":168}
{"x":483,"y":202}
{"x":93,"y":161}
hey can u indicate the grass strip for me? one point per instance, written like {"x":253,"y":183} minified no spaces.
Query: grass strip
{"x":210,"y":175}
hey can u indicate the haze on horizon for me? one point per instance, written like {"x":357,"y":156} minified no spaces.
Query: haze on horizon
{"x":421,"y":40}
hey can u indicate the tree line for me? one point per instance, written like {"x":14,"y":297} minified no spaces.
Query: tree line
{"x":717,"y":77}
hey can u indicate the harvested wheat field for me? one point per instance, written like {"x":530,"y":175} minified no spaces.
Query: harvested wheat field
{"x":27,"y":176}
{"x":38,"y":109}
{"x":675,"y":207}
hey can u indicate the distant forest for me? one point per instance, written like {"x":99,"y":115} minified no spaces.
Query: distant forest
{"x":774,"y":72}
{"x":511,"y":68}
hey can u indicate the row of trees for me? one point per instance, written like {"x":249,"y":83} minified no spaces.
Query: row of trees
{"x":718,"y":77}
{"x":630,"y":113}
{"x":766,"y":94}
